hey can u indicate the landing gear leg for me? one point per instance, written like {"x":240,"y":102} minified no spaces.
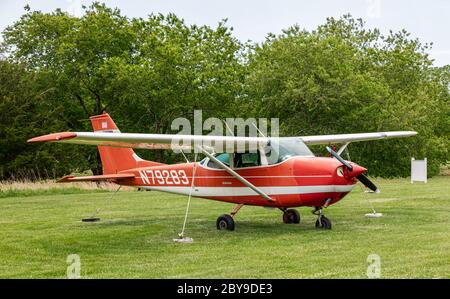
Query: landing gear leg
{"x":226,"y":222}
{"x":236,"y":209}
{"x":322,"y":221}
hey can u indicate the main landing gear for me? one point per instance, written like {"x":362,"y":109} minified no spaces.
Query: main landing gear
{"x":226,"y":222}
{"x":291,"y":216}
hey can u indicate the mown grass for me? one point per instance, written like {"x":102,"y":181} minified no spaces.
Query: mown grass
{"x":134,"y":237}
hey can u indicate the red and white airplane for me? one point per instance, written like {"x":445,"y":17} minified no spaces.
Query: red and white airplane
{"x":292,"y":177}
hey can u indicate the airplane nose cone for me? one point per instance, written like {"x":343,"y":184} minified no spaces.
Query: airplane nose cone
{"x":357,"y":170}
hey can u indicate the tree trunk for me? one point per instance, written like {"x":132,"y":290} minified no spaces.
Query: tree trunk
{"x":97,"y":167}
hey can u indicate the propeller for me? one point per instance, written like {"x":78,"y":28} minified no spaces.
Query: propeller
{"x":339,"y":158}
{"x":361,"y":177}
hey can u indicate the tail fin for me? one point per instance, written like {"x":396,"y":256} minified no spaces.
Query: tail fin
{"x":116,"y":159}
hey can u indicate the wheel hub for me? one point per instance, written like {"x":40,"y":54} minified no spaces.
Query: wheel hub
{"x":222,"y":224}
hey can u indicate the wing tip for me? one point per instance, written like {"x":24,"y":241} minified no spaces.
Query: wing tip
{"x":407,"y":133}
{"x":53,"y":137}
{"x":65,"y":179}
{"x":93,"y":178}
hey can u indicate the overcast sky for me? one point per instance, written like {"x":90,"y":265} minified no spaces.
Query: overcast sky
{"x":253,"y":19}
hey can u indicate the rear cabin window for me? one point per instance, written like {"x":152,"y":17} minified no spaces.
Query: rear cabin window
{"x":224,"y":158}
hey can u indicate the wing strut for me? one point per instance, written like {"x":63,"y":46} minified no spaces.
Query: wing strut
{"x":237,"y":176}
{"x":342,"y":148}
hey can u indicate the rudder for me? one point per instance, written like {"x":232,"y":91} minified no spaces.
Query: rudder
{"x":116,"y":159}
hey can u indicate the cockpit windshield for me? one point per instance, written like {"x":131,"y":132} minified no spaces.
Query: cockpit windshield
{"x":284,"y":148}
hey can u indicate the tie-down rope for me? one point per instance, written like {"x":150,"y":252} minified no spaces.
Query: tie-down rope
{"x":194,"y":168}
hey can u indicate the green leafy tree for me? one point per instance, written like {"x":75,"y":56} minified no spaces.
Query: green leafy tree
{"x":72,"y":51}
{"x":341,"y":78}
{"x":25,"y":111}
{"x":179,"y":69}
{"x":145,"y":72}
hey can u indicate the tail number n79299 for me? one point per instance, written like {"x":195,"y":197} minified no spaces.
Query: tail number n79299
{"x":164,"y":177}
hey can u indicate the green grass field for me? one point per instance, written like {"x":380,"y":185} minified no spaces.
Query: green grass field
{"x":134,"y":238}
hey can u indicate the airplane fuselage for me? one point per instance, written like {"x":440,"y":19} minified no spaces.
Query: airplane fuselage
{"x":297,"y":181}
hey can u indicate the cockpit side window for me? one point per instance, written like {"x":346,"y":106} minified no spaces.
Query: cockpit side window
{"x":277,"y":151}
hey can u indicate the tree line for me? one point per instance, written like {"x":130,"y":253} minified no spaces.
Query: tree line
{"x":56,"y":70}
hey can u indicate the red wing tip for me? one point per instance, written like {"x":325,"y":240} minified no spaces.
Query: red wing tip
{"x":93,"y":178}
{"x":53,"y":137}
{"x":65,"y":179}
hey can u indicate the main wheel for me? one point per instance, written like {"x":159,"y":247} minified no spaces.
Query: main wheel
{"x":225,"y":222}
{"x":291,"y":216}
{"x":323,"y":222}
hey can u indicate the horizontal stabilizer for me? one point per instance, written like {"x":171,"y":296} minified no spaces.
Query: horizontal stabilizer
{"x":94,"y":178}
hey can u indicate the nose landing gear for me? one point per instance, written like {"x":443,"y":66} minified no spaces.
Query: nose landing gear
{"x":322,"y":221}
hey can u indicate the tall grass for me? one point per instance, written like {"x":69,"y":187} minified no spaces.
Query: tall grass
{"x":13,"y":188}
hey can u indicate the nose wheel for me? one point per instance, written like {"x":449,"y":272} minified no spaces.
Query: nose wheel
{"x":322,"y":221}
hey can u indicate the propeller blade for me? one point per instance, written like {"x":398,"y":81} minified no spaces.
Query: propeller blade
{"x":368,"y":183}
{"x":339,"y":158}
{"x":361,"y":177}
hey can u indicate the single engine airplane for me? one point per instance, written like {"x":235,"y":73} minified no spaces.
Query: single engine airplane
{"x":292,"y":177}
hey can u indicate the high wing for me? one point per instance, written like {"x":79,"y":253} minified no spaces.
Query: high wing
{"x":344,"y":138}
{"x":153,"y":141}
{"x":216,"y":143}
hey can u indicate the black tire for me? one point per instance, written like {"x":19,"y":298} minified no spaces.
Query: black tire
{"x":225,"y":222}
{"x":323,"y":222}
{"x":291,"y":216}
